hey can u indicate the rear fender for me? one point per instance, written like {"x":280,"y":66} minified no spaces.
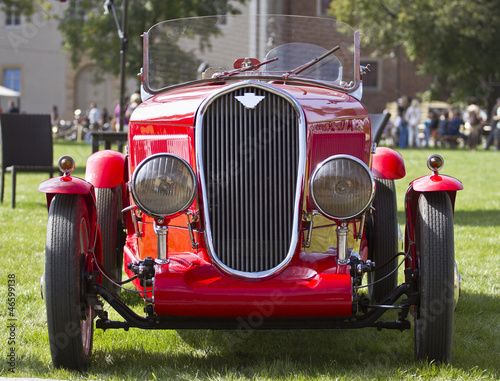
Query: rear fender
{"x":430,"y":183}
{"x":106,"y":169}
{"x":388,"y":164}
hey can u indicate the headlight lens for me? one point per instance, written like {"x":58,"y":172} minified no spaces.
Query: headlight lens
{"x":163,"y":185}
{"x":342,"y":187}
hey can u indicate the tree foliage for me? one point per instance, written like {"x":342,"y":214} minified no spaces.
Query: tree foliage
{"x":25,"y":7}
{"x":88,"y":32}
{"x":456,"y":41}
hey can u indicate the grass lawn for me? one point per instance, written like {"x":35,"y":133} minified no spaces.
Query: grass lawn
{"x":364,"y":354}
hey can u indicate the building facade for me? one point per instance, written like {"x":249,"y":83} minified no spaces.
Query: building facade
{"x":32,"y":61}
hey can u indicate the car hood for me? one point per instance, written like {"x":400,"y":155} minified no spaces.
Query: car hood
{"x":180,"y":106}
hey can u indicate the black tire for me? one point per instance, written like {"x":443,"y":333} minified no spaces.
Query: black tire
{"x":69,"y":318}
{"x":384,"y":240}
{"x":110,"y":221}
{"x":436,"y":256}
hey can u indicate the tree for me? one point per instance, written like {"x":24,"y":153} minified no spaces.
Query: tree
{"x":456,"y":41}
{"x":87,"y":31}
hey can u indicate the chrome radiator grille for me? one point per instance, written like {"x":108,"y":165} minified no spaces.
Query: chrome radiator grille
{"x":250,"y":161}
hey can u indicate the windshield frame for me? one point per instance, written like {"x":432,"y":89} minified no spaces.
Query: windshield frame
{"x":351,"y":87}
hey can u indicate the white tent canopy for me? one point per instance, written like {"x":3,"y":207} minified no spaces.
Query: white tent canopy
{"x":6,"y":92}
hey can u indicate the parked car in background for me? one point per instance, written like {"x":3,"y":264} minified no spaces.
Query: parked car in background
{"x":252,"y":196}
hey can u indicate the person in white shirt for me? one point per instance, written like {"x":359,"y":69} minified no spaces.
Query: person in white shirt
{"x":413,"y":117}
{"x":94,"y":116}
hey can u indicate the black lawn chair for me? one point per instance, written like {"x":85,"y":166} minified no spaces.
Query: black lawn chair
{"x":26,"y":142}
{"x":378,"y":121}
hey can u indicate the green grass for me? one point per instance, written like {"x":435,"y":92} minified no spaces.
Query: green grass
{"x":276,"y":355}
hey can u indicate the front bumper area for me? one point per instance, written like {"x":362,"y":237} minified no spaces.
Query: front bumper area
{"x":195,"y":295}
{"x":369,"y":319}
{"x":189,"y":286}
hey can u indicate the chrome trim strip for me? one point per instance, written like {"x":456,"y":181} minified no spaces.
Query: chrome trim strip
{"x":260,"y":275}
{"x":357,"y":63}
{"x":145,"y":64}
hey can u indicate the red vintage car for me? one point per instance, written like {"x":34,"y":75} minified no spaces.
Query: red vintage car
{"x":252,"y":196}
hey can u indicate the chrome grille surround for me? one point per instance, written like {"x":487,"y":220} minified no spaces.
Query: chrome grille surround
{"x":239,"y":254}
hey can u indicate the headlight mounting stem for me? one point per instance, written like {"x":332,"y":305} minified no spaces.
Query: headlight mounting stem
{"x":342,"y":249}
{"x":161,"y":238}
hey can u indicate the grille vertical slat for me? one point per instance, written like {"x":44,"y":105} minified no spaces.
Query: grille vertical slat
{"x":250,"y":160}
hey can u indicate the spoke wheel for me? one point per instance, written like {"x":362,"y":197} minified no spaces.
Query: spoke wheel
{"x":384,"y":240}
{"x":435,"y":253}
{"x":110,"y":221}
{"x":69,"y":317}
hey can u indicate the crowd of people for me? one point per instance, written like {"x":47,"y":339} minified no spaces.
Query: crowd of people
{"x":101,"y":119}
{"x":450,"y":124}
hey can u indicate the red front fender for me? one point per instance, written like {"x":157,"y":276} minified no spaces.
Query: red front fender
{"x":388,"y":164}
{"x":72,"y":185}
{"x":65,"y":184}
{"x":432,"y":183}
{"x":106,"y":169}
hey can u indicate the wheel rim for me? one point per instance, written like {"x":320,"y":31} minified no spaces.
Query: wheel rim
{"x":86,"y":327}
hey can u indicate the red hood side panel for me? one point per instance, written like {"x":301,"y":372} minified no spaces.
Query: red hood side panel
{"x":176,"y":107}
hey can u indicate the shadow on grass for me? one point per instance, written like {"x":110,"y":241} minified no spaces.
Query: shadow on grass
{"x":477,"y":217}
{"x":313,"y":353}
{"x":476,"y":339}
{"x":291,"y":354}
{"x":199,"y":354}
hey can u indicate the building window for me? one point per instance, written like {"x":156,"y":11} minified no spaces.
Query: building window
{"x":12,"y":79}
{"x":12,"y":17}
{"x":323,"y":6}
{"x":222,"y":20}
{"x":371,"y":80}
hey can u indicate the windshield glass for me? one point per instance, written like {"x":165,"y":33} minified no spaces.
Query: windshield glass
{"x":270,"y":47}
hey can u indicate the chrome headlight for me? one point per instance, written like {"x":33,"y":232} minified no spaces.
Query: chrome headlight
{"x":342,"y":187}
{"x":163,"y":185}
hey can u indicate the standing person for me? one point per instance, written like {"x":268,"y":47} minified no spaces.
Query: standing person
{"x":431,"y":126}
{"x":401,"y":122}
{"x":413,"y":118}
{"x":94,"y":116}
{"x":474,"y":118}
{"x":496,"y":130}
{"x":444,"y":122}
{"x":12,"y":108}
{"x":117,"y":115}
{"x":135,"y":99}
{"x":104,"y":119}
{"x":456,"y":122}
{"x":494,"y":124}
{"x":54,"y":116}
